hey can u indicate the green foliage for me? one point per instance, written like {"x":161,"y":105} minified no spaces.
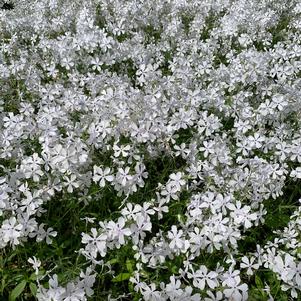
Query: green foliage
{"x":17,"y":291}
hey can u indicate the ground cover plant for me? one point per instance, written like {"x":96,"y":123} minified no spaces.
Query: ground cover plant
{"x":150,"y":150}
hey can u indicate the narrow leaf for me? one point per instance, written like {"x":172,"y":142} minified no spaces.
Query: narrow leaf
{"x":122,"y":277}
{"x":17,"y":291}
{"x":33,"y":288}
{"x":129,"y":265}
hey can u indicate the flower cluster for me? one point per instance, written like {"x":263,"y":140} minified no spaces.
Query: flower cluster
{"x":186,"y":114}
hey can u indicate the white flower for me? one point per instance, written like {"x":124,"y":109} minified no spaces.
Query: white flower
{"x":150,"y":292}
{"x":176,"y":240}
{"x":296,"y":173}
{"x":11,"y":231}
{"x":160,"y":208}
{"x":202,"y":277}
{"x":36,"y":263}
{"x":70,"y":183}
{"x":98,"y":241}
{"x":256,"y":140}
{"x":96,"y":64}
{"x":285,"y":268}
{"x":173,"y":288}
{"x":41,"y":234}
{"x":170,"y":192}
{"x":208,"y":148}
{"x":237,"y":291}
{"x":141,"y":225}
{"x":102,"y":175}
{"x":176,"y":180}
{"x":117,"y":231}
{"x":217,"y":297}
{"x":123,"y":176}
{"x":130,"y":211}
{"x":121,"y":150}
{"x":88,"y":280}
{"x":32,"y":167}
{"x":107,"y":94}
{"x":249,"y":264}
{"x":241,"y":214}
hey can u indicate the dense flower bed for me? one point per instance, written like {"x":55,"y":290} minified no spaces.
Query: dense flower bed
{"x":150,"y":150}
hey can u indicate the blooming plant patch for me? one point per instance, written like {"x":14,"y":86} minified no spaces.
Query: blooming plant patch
{"x":150,"y":150}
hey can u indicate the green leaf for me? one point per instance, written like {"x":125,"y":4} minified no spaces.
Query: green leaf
{"x":33,"y":277}
{"x":17,"y":291}
{"x":114,"y":260}
{"x":258,"y":282}
{"x":129,"y":265}
{"x":33,"y":288}
{"x":3,"y":283}
{"x":122,"y":277}
{"x":174,"y":269}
